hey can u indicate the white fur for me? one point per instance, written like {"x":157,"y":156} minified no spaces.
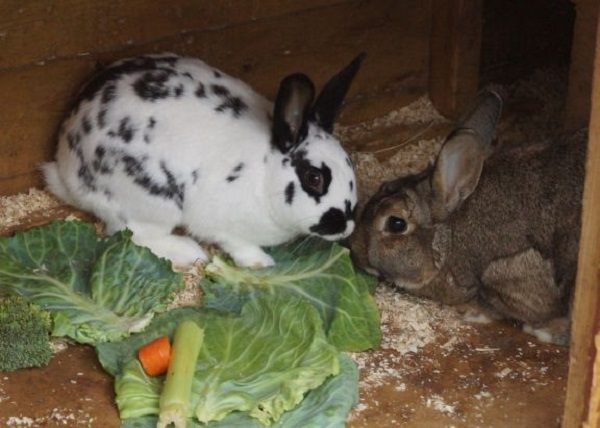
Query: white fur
{"x":200,"y":148}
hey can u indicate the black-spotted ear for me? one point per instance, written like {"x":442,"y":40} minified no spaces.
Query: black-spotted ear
{"x":295,"y":95}
{"x":326,"y":109}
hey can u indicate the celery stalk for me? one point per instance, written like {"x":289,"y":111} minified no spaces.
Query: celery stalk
{"x":175,"y":396}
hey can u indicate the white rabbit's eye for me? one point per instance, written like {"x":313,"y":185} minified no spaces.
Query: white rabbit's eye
{"x":396,"y":225}
{"x":313,"y":178}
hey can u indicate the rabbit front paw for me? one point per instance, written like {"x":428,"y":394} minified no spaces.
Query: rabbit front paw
{"x":248,"y":255}
{"x":183,"y":251}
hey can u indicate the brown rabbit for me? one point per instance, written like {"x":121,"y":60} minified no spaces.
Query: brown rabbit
{"x":504,"y":236}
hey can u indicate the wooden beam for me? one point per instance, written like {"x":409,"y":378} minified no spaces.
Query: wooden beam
{"x":577,"y":109}
{"x":455,"y":46}
{"x":586,"y":307}
{"x":593,"y":418}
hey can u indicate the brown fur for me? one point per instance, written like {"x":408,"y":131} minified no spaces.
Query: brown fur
{"x":511,"y":245}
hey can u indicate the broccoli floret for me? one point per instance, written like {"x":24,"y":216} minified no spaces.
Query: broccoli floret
{"x":24,"y":334}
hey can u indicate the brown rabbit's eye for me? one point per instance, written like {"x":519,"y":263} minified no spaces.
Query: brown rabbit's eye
{"x":396,"y":225}
{"x":313,"y":178}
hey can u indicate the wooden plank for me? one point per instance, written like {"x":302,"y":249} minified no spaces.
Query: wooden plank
{"x":454,"y":54}
{"x":577,"y":110}
{"x":593,"y":417}
{"x":42,"y":30}
{"x":586,"y":309}
{"x":318,"y":42}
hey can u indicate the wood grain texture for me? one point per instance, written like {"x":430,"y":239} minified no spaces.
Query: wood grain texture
{"x":586,"y":309}
{"x":455,"y":46}
{"x":40,"y":30}
{"x":318,"y":42}
{"x":593,"y":417}
{"x":577,"y":111}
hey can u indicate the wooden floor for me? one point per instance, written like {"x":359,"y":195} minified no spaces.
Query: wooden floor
{"x":497,"y":378}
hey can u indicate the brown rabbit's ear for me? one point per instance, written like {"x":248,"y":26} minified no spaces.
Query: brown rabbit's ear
{"x":456,"y":173}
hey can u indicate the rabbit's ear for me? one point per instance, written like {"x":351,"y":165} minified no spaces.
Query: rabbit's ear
{"x":295,"y":95}
{"x":326,"y":109}
{"x":456,"y":173}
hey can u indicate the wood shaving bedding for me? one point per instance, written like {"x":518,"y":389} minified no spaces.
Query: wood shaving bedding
{"x":14,"y":209}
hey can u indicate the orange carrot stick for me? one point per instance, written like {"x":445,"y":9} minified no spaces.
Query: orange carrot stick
{"x":155,"y":356}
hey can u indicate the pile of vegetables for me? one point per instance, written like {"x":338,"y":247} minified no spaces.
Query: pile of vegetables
{"x":265,"y":349}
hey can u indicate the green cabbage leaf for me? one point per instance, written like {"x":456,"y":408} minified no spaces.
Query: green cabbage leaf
{"x":97,"y":289}
{"x":319,"y":272}
{"x":255,"y":366}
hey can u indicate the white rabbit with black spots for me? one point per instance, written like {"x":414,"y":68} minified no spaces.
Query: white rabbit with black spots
{"x":159,"y":142}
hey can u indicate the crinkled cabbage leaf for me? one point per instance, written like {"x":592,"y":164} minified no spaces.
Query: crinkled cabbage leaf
{"x":252,"y":366}
{"x":97,"y":289}
{"x":326,"y":406}
{"x":317,"y":271}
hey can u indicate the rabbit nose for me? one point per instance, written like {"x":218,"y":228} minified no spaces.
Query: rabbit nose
{"x":332,"y":224}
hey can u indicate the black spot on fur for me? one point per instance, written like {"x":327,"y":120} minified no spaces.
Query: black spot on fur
{"x":172,"y":190}
{"x":152,"y":85}
{"x":178,"y":90}
{"x":149,"y":127}
{"x":101,"y":118}
{"x":217,"y":74}
{"x":219,"y":90}
{"x":200,"y":91}
{"x":285,"y":161}
{"x":126,"y":130}
{"x":235,"y":173}
{"x":98,"y":157}
{"x":229,"y":102}
{"x":235,"y":104}
{"x":188,"y":75}
{"x":289,"y":193}
{"x":195,"y":175}
{"x":351,"y":184}
{"x":87,"y":177}
{"x":330,"y":223}
{"x":108,"y":194}
{"x":349,"y":211}
{"x":73,"y":140}
{"x":104,"y":160}
{"x":108,"y":93}
{"x":86,"y":125}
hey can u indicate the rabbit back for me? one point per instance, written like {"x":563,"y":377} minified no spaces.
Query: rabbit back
{"x":131,"y":146}
{"x":525,"y":201}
